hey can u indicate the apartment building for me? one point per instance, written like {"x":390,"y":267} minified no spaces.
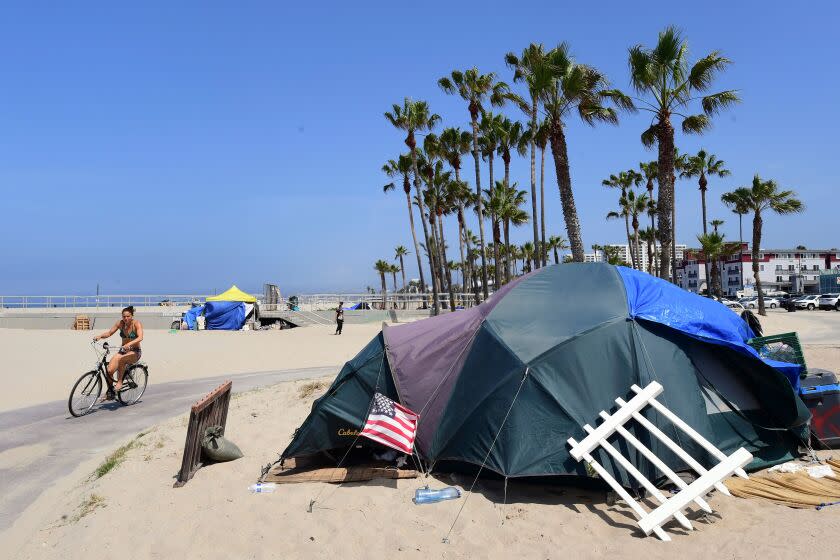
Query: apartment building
{"x":624,"y":254}
{"x":789,"y":270}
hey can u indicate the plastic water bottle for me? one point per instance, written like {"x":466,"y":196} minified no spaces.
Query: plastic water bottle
{"x":429,"y":496}
{"x":262,"y":488}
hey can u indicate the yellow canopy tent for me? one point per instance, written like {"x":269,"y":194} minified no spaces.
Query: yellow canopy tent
{"x":233,"y":294}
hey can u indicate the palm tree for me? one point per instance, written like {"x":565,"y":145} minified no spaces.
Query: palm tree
{"x":740,"y":207}
{"x":651,"y":212}
{"x":663,"y":76}
{"x":715,"y":224}
{"x":556,"y":242}
{"x":533,"y":67}
{"x":475,"y":88}
{"x":624,"y":181}
{"x":582,"y":89}
{"x":488,"y":143}
{"x":648,"y":235}
{"x":506,"y":203}
{"x":393,"y":269}
{"x":528,"y":250}
{"x":383,"y":268}
{"x":760,"y":197}
{"x":454,"y":143}
{"x":636,"y":204}
{"x":399,"y":253}
{"x":541,"y":139}
{"x":403,"y":168}
{"x":712,"y":247}
{"x":703,"y":165}
{"x":439,"y":201}
{"x":649,"y":171}
{"x":414,"y":117}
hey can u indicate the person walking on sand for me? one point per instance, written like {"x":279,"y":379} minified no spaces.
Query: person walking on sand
{"x":339,"y":317}
{"x":131,"y":333}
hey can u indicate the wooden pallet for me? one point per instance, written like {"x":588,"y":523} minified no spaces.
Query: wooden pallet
{"x":290,"y":473}
{"x":81,"y":323}
{"x":211,"y":410}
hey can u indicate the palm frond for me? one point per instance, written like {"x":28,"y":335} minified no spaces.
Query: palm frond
{"x":649,"y":136}
{"x":712,"y":104}
{"x":704,"y":70}
{"x":696,"y":124}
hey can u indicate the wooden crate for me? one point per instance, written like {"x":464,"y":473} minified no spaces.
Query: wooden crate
{"x":81,"y":323}
{"x":211,"y":410}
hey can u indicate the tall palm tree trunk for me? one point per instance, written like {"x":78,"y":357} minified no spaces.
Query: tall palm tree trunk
{"x":416,"y":245}
{"x":507,"y":250}
{"x":535,"y":256}
{"x":756,"y":242}
{"x":497,"y":269}
{"x":462,"y":227}
{"x":405,"y":290}
{"x":741,"y":247}
{"x":674,"y":239}
{"x":651,"y":261}
{"x":445,"y":264}
{"x":705,"y":222}
{"x":636,"y":241}
{"x":464,"y":271}
{"x":478,"y":205}
{"x":421,"y":206}
{"x":436,"y":249}
{"x":564,"y":183}
{"x":507,"y":223}
{"x":402,"y":269}
{"x":384,"y":291}
{"x":542,"y":208}
{"x":665,"y":176}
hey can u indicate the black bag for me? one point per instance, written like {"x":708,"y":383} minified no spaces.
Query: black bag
{"x":215,"y":447}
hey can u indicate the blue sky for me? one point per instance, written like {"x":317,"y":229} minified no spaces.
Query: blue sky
{"x":185,"y":146}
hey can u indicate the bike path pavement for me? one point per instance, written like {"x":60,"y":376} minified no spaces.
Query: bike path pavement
{"x":69,"y":441}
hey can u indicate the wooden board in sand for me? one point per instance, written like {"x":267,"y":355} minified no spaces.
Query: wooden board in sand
{"x":291,"y":473}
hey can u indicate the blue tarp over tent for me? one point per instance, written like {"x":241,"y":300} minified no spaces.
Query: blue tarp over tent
{"x":224,"y":315}
{"x":189,"y":316}
{"x":650,"y":299}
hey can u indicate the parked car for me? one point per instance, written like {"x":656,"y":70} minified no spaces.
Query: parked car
{"x":769,"y":302}
{"x":808,"y":302}
{"x":830,"y":301}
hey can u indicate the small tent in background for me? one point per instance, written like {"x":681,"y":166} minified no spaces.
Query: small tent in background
{"x":506,"y":383}
{"x":227,"y":311}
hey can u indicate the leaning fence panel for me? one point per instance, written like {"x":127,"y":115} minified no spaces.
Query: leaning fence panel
{"x":669,"y":507}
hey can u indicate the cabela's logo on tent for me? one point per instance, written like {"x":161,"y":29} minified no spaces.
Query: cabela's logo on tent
{"x":347,"y":432}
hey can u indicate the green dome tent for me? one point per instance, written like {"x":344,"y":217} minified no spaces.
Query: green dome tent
{"x":538,"y":360}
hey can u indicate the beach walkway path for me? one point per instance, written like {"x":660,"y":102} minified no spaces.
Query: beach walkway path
{"x":43,"y":443}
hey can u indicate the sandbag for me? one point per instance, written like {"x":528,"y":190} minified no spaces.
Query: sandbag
{"x":216,"y":447}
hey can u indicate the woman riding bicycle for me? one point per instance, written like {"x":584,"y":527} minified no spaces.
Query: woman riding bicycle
{"x":131,"y":332}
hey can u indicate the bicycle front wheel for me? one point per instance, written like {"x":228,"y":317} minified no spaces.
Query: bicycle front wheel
{"x":85,"y":393}
{"x":134,"y":384}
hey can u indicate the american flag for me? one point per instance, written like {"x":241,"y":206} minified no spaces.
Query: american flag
{"x":390,"y":424}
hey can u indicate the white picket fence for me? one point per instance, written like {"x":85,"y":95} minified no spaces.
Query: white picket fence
{"x":651,"y":522}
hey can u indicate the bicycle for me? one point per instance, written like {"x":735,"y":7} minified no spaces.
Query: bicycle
{"x":87,"y":389}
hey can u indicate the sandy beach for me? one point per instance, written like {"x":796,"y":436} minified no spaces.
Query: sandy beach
{"x":133,"y":511}
{"x":47,"y":362}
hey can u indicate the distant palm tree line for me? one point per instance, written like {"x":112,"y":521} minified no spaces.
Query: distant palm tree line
{"x":555,"y":87}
